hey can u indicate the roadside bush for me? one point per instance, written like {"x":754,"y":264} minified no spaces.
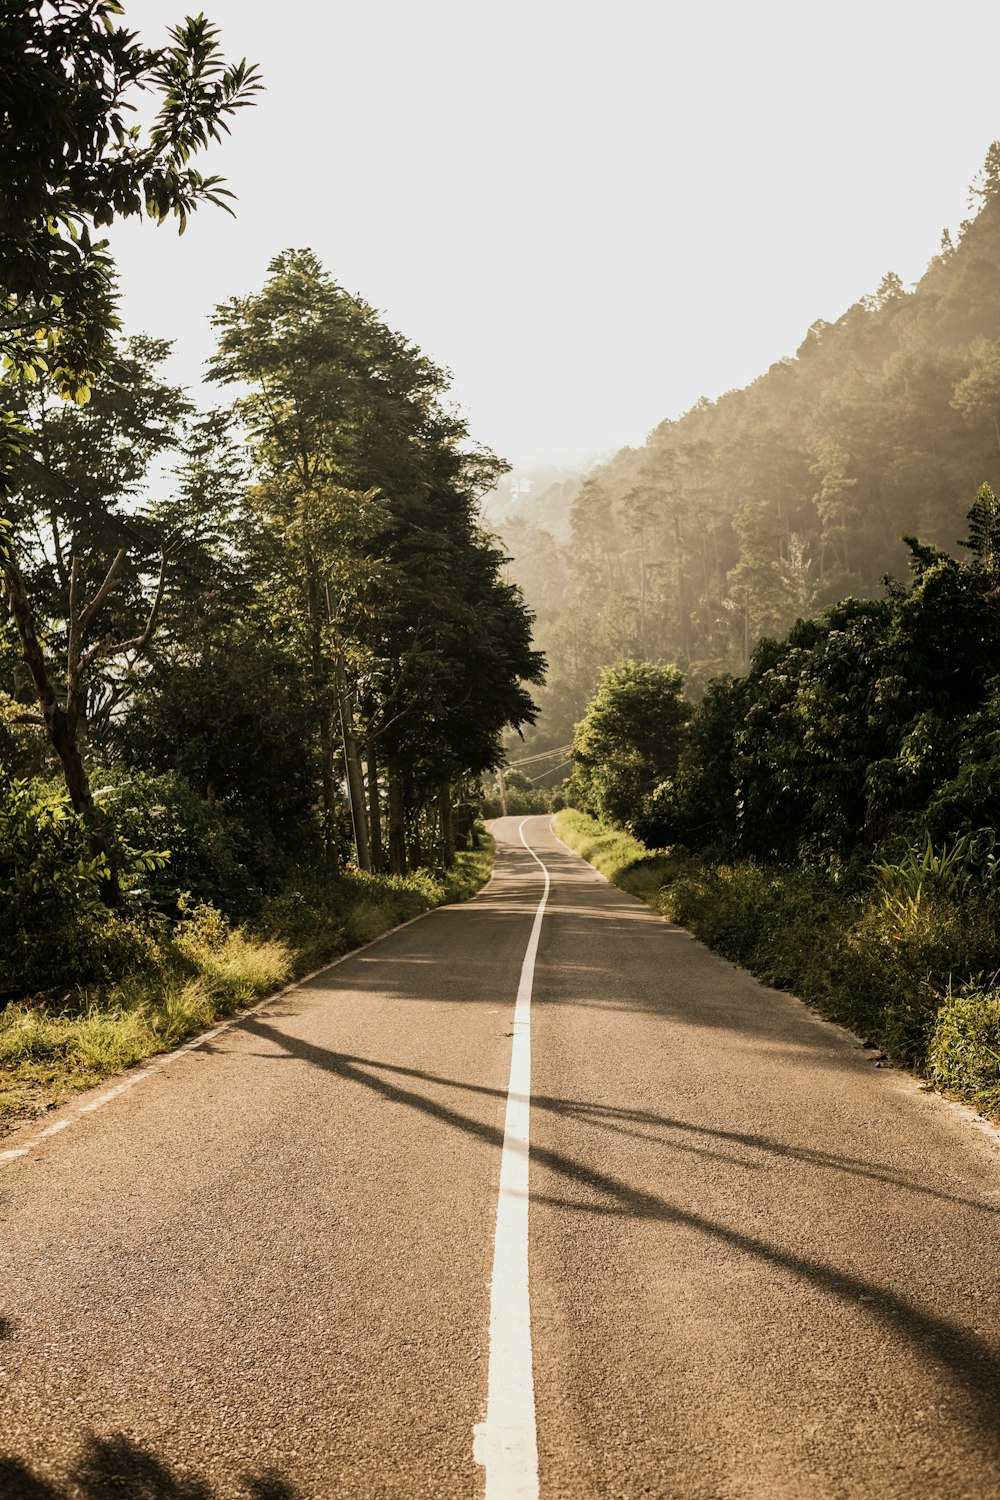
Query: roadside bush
{"x":897,"y":962}
{"x":963,"y":1055}
{"x":618,"y":855}
{"x":79,"y":1033}
{"x":23,"y":746}
{"x":905,"y":961}
{"x":333,"y":911}
{"x":54,"y":927}
{"x":629,"y":739}
{"x":211,"y":854}
{"x":521,"y":802}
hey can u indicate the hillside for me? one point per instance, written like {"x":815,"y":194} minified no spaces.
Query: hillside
{"x":777,"y":499}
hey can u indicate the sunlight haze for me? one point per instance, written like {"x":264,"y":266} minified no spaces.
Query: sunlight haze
{"x":591,"y":214}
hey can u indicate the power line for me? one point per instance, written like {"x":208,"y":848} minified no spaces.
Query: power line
{"x":545,"y":754}
{"x":551,"y":772}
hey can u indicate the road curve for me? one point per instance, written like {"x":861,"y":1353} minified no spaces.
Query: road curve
{"x":759,"y":1267}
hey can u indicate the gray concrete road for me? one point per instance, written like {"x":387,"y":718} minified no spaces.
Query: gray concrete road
{"x":759,"y":1267}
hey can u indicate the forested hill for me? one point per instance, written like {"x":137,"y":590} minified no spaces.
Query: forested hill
{"x":787,"y":495}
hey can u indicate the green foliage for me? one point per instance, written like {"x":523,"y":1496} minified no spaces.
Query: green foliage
{"x":72,"y":163}
{"x":984,"y":530}
{"x":922,"y":870}
{"x":322,"y":914}
{"x":875,"y":722}
{"x":628,"y":741}
{"x":212,"y":856}
{"x":22,"y":746}
{"x":964,"y":1047}
{"x":228,"y":709}
{"x":54,"y":926}
{"x":619,"y":856}
{"x":363,"y":532}
{"x":523,"y":799}
{"x":204,"y":968}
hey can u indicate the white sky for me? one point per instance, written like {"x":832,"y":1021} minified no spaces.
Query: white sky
{"x":591,"y":212}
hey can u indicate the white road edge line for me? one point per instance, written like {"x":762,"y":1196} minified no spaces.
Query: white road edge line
{"x":505,"y":1444}
{"x":158,"y":1063}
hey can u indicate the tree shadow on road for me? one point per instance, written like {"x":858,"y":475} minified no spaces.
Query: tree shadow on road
{"x":642,"y":1124}
{"x":972,"y":1362}
{"x":118,"y":1467}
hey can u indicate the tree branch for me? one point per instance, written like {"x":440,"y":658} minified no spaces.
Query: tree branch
{"x":110,"y":579}
{"x":138,"y":643}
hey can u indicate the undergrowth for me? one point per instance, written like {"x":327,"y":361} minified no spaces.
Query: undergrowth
{"x":906,"y":964}
{"x":201,"y":969}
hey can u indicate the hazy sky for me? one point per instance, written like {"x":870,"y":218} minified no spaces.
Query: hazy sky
{"x":592,"y":213}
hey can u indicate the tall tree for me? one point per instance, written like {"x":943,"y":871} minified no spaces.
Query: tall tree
{"x":71,"y":164}
{"x":367,"y":496}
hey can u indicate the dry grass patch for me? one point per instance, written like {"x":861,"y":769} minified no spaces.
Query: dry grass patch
{"x":52,"y":1047}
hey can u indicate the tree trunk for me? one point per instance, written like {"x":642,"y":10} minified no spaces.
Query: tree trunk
{"x":62,"y":733}
{"x":329,"y":788}
{"x":397,"y":825}
{"x":374,"y":809}
{"x":320,"y":678}
{"x":464,"y":818}
{"x":352,"y":762}
{"x":682,"y":607}
{"x":447,"y":824}
{"x":642,"y":592}
{"x":415,"y":847}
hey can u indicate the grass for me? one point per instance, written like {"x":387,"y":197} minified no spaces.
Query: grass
{"x":909,"y":977}
{"x":627,"y":863}
{"x":53,"y":1046}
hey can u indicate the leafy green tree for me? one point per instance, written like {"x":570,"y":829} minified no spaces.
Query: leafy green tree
{"x":367,"y":531}
{"x":629,"y":740}
{"x":300,"y":347}
{"x":89,"y":563}
{"x":875,"y":720}
{"x":71,"y":164}
{"x":228,"y":711}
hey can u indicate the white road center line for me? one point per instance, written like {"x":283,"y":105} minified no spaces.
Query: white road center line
{"x":505,"y":1444}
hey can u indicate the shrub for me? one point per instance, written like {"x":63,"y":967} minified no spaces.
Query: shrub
{"x":54,"y":927}
{"x":521,"y":802}
{"x":211,"y":855}
{"x":629,"y":738}
{"x":963,"y":1055}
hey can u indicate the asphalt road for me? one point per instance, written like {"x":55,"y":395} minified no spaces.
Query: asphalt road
{"x":759,"y":1266}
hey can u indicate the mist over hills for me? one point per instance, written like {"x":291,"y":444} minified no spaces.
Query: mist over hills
{"x":779,"y":498}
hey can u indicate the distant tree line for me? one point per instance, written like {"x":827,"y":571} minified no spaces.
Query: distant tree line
{"x":867,"y":728}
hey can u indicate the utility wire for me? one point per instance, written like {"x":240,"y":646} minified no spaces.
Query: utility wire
{"x":545,"y":754}
{"x":551,"y":772}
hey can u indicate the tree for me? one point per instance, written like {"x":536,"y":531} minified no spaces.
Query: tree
{"x":71,"y":164}
{"x":90,"y":565}
{"x":300,"y":347}
{"x":629,"y":739}
{"x":367,"y":530}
